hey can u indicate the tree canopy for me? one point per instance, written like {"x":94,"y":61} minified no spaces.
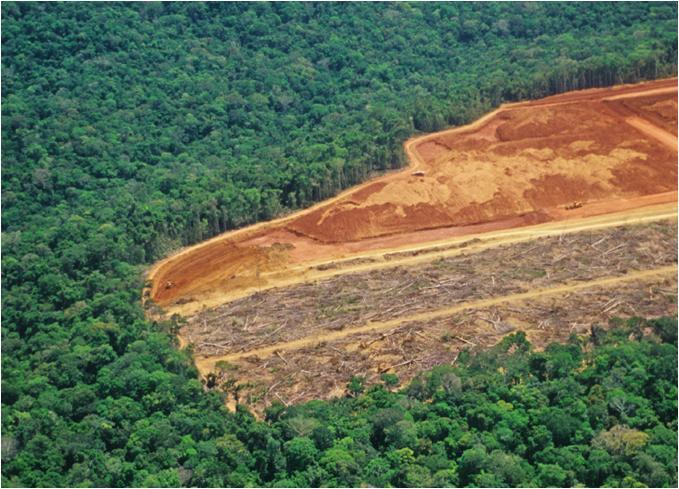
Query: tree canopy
{"x":131,"y":129}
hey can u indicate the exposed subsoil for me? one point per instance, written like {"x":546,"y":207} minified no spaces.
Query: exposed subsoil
{"x":659,"y":110}
{"x":520,"y":165}
{"x":522,"y":161}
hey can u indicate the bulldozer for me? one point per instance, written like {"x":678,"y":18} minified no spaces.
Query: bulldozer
{"x":575,"y":205}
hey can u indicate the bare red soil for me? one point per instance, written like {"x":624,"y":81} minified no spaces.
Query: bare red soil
{"x":522,"y":164}
{"x":523,"y":160}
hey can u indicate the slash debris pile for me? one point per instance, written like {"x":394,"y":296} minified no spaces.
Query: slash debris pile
{"x":290,"y":313}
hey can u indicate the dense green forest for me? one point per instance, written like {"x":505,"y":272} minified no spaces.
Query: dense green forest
{"x":130,"y":129}
{"x":597,"y":412}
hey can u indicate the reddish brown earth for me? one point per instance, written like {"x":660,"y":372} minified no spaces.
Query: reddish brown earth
{"x":522,"y":164}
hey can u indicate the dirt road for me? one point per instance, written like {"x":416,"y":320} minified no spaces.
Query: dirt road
{"x":666,"y":138}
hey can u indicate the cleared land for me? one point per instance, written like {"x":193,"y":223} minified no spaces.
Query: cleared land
{"x":520,"y":165}
{"x":403,"y":272}
{"x":309,"y":309}
{"x":322,"y":369}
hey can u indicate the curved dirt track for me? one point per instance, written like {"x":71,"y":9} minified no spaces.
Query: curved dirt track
{"x":636,"y":161}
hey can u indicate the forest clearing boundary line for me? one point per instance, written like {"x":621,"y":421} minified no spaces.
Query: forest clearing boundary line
{"x":415,"y":161}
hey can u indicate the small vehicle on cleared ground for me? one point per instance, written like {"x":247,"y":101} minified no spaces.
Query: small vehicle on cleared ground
{"x":575,"y":205}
